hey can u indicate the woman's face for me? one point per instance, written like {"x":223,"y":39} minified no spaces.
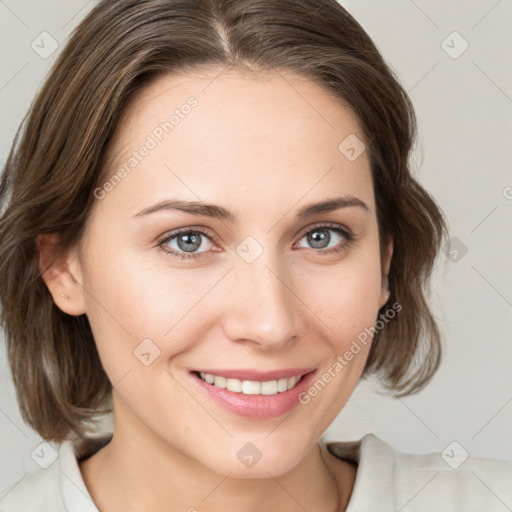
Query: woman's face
{"x":264,"y":288}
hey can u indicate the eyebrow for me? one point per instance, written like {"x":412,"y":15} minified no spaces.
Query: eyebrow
{"x":214,"y":211}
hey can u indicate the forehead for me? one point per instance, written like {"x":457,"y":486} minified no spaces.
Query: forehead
{"x":272,"y":136}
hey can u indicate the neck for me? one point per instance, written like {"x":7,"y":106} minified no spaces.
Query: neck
{"x":140,"y":471}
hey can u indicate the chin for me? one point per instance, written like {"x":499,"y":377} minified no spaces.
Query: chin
{"x":275,"y":464}
{"x":256,"y":456}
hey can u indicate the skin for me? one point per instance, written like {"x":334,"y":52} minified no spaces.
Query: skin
{"x":261,"y":146}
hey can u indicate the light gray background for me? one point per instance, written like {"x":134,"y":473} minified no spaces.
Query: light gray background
{"x":464,"y":107}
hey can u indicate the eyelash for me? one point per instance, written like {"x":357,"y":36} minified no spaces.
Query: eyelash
{"x":349,"y":237}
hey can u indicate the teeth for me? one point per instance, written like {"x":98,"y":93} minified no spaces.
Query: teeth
{"x":282,"y":385}
{"x":209,"y":378}
{"x":250,"y":387}
{"x":269,"y":388}
{"x":220,"y":382}
{"x":234,"y":385}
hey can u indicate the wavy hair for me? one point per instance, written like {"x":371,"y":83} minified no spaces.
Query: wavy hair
{"x":56,"y":162}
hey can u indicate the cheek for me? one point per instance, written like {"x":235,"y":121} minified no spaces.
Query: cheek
{"x":346,"y":299}
{"x":346,"y":303}
{"x":132,"y":299}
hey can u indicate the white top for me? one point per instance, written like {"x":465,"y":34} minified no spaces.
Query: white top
{"x":387,"y":480}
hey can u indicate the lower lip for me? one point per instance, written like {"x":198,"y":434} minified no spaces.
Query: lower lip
{"x":257,"y":406}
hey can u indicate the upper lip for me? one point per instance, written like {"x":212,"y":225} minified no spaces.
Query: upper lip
{"x":256,"y":375}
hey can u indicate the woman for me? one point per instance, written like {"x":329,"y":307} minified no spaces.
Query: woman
{"x":211,"y":227}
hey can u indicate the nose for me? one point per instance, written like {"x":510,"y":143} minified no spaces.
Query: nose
{"x":262,"y":307}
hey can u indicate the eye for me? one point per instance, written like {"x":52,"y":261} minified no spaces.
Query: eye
{"x":320,"y":237}
{"x":186,"y":242}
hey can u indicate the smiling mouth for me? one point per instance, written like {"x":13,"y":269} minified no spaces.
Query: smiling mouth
{"x":251,"y":387}
{"x":252,"y":393}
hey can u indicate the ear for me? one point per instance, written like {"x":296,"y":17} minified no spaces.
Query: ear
{"x":62,"y":274}
{"x":385,"y":292}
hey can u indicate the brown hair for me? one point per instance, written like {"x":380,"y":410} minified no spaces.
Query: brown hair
{"x":55,"y":164}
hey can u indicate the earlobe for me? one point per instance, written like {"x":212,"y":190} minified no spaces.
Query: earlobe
{"x":60,"y":271}
{"x":385,"y":291}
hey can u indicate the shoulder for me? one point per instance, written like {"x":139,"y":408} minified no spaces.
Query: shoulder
{"x":452,"y":481}
{"x":58,"y":488}
{"x":38,"y":491}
